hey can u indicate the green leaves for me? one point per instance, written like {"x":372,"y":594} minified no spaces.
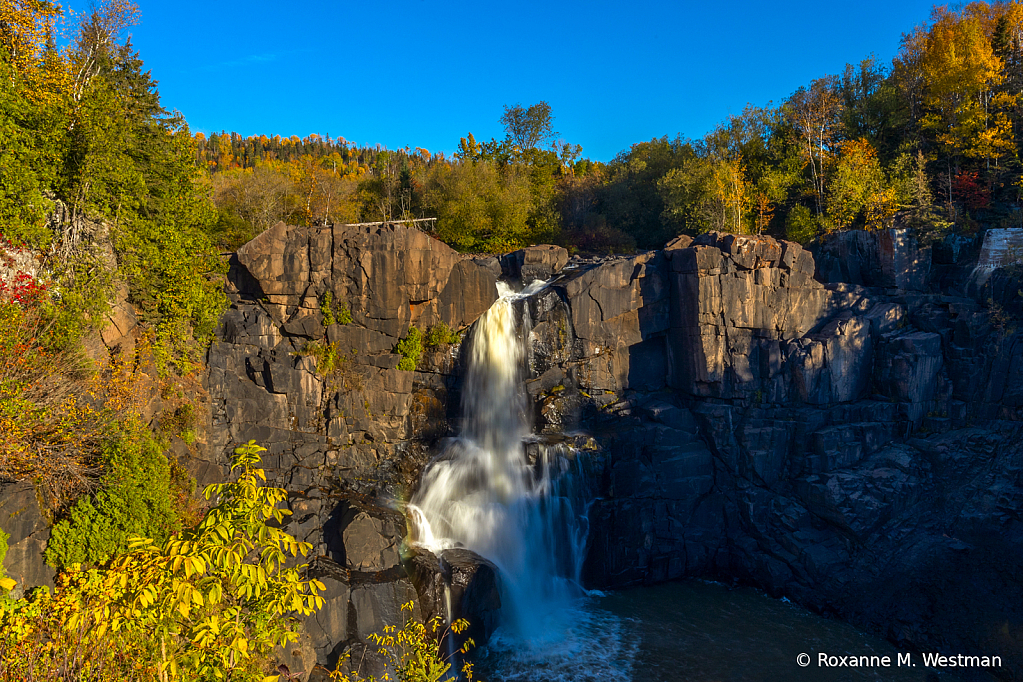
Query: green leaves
{"x":135,"y":501}
{"x":411,"y":349}
{"x":214,"y":599}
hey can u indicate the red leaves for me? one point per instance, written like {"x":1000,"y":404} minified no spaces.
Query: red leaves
{"x":967,"y":188}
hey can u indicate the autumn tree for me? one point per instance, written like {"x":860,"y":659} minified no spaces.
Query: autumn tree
{"x":859,"y":194}
{"x":961,"y":72}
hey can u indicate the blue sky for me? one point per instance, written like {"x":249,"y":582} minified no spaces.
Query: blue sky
{"x":425,"y":72}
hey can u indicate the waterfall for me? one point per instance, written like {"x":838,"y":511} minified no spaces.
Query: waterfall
{"x":483,"y":493}
{"x":1001,"y":247}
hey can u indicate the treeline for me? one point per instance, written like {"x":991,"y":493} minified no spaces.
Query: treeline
{"x":930,"y":141}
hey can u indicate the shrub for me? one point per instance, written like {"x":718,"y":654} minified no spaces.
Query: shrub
{"x":413,"y":652}
{"x":135,"y":500}
{"x":53,"y":412}
{"x":440,"y":334}
{"x":327,"y":308}
{"x":334,"y":313}
{"x":411,"y":349}
{"x":208,"y":603}
{"x":336,"y":367}
{"x":801,"y":226}
{"x":344,"y":315}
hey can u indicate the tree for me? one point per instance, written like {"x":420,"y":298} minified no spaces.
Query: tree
{"x":961,"y":72}
{"x":25,"y":29}
{"x":859,"y":194}
{"x":528,"y":128}
{"x":479,"y":206}
{"x":814,"y":113}
{"x":97,"y":40}
{"x":872,"y":107}
{"x":633,"y":201}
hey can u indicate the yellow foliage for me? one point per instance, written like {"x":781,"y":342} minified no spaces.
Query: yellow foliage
{"x":961,"y":72}
{"x":412,"y":652}
{"x":210,"y":601}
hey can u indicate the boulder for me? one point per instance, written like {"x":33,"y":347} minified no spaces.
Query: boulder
{"x":463,"y":579}
{"x":371,"y":544}
{"x":534,"y":262}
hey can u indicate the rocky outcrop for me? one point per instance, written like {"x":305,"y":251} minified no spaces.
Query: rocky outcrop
{"x":884,"y":258}
{"x":824,"y":425}
{"x":305,"y":365}
{"x":28,"y":531}
{"x":534,"y":262}
{"x":853,"y":445}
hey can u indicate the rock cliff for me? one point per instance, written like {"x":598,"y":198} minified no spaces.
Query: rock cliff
{"x":841,"y":426}
{"x":305,"y":365}
{"x":855,"y":448}
{"x":840,"y":431}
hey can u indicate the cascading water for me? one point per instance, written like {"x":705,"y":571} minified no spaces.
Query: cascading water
{"x":484,"y":494}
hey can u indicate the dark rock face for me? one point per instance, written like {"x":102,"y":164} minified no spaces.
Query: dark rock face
{"x":22,"y":520}
{"x":342,"y":439}
{"x":534,"y":262}
{"x":850,"y":439}
{"x":465,"y":580}
{"x":885,"y":258}
{"x":854,"y":445}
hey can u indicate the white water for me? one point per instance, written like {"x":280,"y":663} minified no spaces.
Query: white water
{"x":482,"y":493}
{"x":1001,"y":247}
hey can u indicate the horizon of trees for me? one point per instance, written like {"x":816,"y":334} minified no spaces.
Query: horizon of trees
{"x":931,"y":140}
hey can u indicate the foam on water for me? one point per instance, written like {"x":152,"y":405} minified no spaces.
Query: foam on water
{"x":580,"y":643}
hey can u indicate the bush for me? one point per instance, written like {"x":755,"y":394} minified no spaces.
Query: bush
{"x":135,"y":500}
{"x":411,"y":349}
{"x":209,"y":603}
{"x":413,"y":652}
{"x":801,"y":225}
{"x":441,"y":334}
{"x":334,"y":314}
{"x":338,"y":368}
{"x":53,"y":409}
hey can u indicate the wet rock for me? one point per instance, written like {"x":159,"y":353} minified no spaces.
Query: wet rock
{"x":465,"y":580}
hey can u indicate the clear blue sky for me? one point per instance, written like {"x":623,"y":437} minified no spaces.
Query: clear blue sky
{"x":425,"y":72}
